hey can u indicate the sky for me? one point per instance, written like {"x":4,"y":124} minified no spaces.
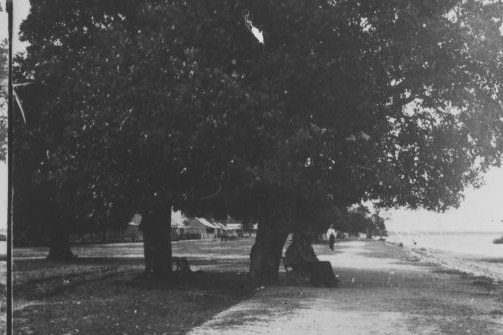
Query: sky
{"x":482,"y":209}
{"x":21,"y":9}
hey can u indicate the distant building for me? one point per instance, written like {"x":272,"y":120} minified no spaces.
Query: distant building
{"x":182,"y":228}
{"x":234,"y":229}
{"x":178,"y":228}
{"x":220,"y":228}
{"x":200,"y":228}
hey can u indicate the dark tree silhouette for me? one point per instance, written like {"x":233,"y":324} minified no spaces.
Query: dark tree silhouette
{"x":149,"y":105}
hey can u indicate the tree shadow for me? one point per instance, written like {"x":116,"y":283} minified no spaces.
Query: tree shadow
{"x":132,"y":303}
{"x":227,"y":283}
{"x":44,"y":263}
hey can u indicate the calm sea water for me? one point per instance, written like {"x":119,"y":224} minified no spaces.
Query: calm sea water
{"x":468,"y":252}
{"x":480,"y":244}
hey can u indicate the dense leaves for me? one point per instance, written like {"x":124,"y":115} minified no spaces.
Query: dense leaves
{"x":137,"y":103}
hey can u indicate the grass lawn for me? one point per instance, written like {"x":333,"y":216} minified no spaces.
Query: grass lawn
{"x":103,"y":292}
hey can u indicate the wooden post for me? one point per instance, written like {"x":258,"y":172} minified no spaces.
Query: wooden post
{"x":10,"y":162}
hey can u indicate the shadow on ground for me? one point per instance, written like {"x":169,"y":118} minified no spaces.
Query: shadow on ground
{"x":103,"y":290}
{"x":128,"y":303}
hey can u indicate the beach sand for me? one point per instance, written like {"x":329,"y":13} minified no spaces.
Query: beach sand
{"x":491,"y":267}
{"x":384,"y":289}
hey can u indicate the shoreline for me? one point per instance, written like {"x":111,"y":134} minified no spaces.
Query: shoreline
{"x":478,"y":265}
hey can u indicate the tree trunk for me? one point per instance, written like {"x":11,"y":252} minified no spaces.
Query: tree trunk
{"x":60,"y":245}
{"x":161,"y":242}
{"x":265,"y":256}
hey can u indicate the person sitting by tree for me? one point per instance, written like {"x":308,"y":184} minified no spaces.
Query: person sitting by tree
{"x":300,"y":251}
{"x":301,"y":257}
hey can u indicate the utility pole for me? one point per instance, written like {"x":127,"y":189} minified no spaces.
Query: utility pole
{"x":10,"y":155}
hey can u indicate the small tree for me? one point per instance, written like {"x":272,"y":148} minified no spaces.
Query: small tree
{"x":379,"y":226}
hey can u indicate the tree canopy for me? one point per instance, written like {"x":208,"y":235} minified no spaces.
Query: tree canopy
{"x":154,"y":102}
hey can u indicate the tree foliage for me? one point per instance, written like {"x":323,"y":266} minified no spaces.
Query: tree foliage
{"x":152,"y":102}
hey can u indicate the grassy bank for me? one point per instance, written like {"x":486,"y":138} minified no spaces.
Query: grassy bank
{"x":103,"y":291}
{"x":125,"y":303}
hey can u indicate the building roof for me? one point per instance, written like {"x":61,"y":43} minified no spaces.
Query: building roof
{"x":207,"y":223}
{"x":234,"y":226}
{"x":135,"y":220}
{"x":219,"y":225}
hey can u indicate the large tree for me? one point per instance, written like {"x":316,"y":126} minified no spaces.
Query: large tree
{"x":51,"y":200}
{"x":394,"y":101}
{"x":158,"y":104}
{"x":112,"y":120}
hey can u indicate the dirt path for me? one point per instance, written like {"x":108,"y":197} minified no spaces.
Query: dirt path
{"x":383,"y":290}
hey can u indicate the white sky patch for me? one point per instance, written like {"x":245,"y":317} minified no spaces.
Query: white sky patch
{"x":365,"y":136}
{"x":21,"y":11}
{"x":257,"y":33}
{"x":365,"y":25}
{"x":351,"y":138}
{"x":480,"y":211}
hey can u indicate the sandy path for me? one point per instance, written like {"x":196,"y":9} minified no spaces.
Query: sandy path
{"x":383,"y":290}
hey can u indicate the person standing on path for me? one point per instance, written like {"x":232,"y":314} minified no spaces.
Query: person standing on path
{"x":331,"y":235}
